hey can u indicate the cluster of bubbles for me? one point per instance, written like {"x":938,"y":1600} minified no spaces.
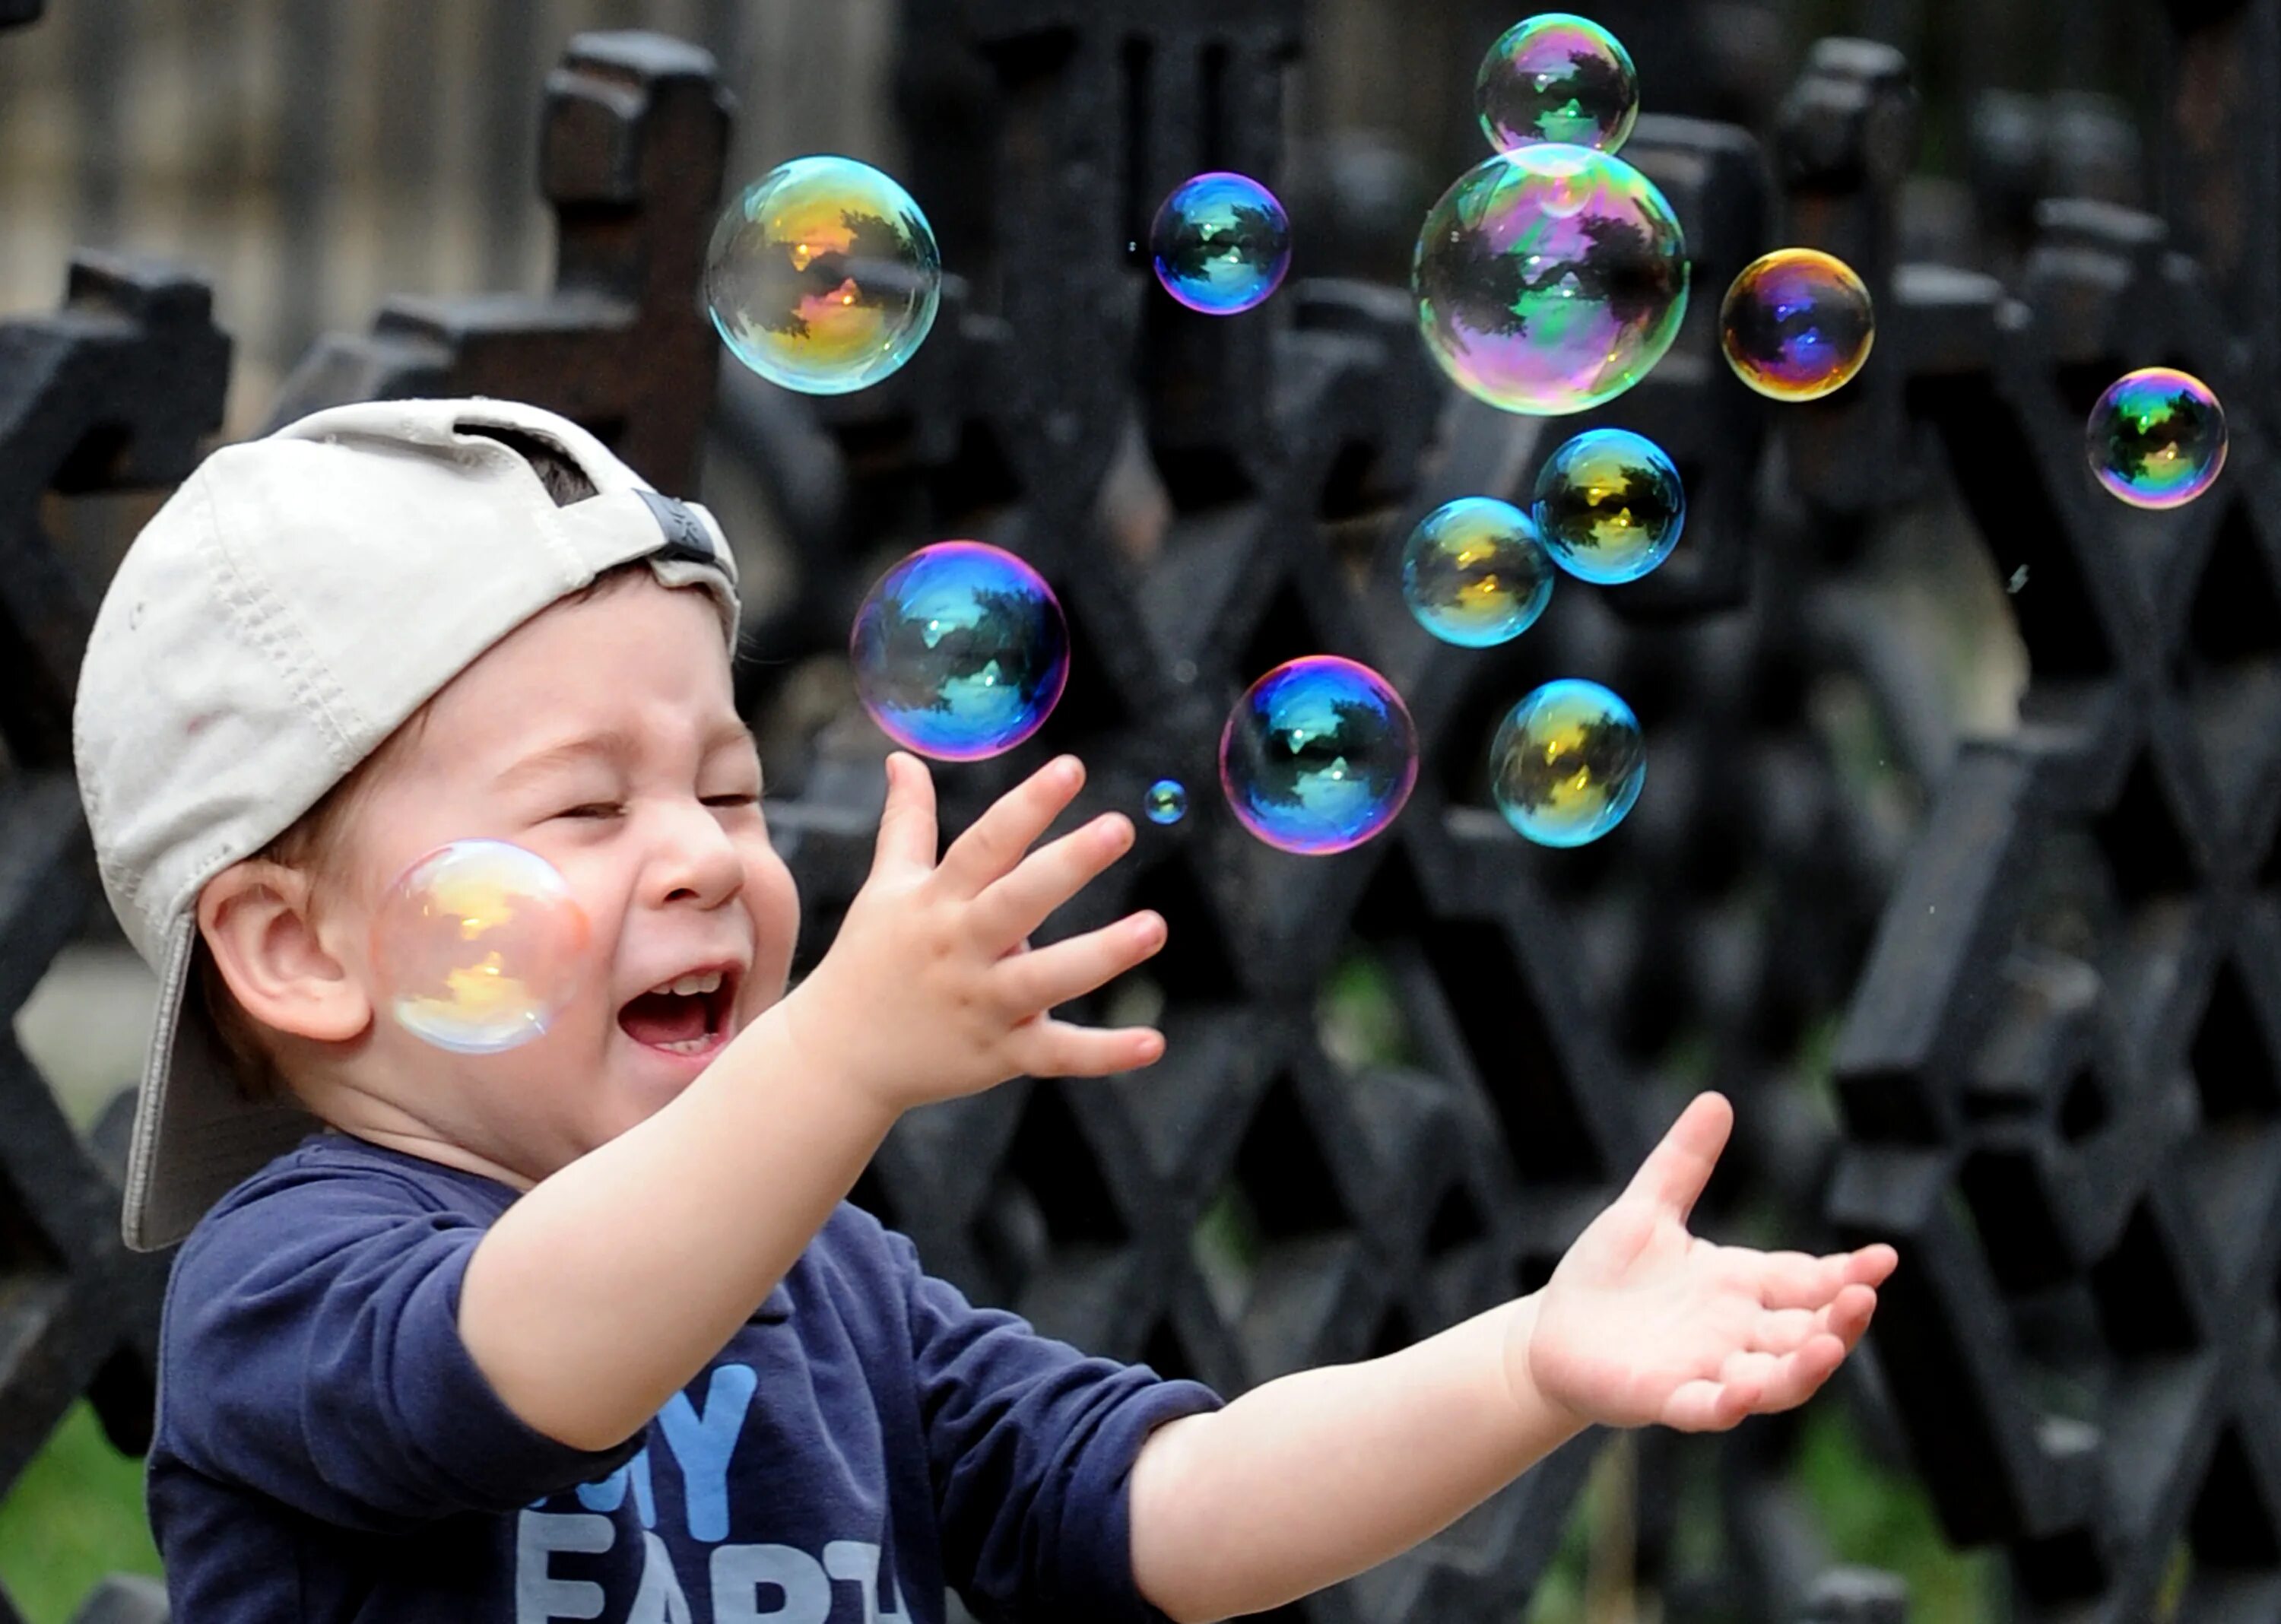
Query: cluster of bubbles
{"x":2156,"y":437}
{"x":1548,"y":279}
{"x":478,"y":947}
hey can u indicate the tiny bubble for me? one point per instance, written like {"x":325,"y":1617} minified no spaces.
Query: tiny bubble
{"x":2019,"y":579}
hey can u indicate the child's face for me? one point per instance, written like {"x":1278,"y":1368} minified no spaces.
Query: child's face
{"x":603,"y":736}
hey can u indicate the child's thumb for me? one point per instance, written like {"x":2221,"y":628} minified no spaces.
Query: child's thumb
{"x":907,"y":827}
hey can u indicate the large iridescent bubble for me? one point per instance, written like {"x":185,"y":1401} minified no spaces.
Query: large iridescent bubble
{"x":2156,"y":438}
{"x":1557,"y":77}
{"x":1549,"y":279}
{"x":1220,"y":242}
{"x":1567,"y":763}
{"x":1474,"y":572}
{"x":1317,"y":755}
{"x":1609,"y":506}
{"x":1796,"y":324}
{"x":823,"y":275}
{"x":478,"y":947}
{"x":959,"y":651}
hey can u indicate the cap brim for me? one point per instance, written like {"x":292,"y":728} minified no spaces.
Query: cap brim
{"x":196,"y":1136}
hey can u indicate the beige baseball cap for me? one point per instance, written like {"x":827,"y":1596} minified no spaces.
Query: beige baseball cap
{"x":296,"y":599}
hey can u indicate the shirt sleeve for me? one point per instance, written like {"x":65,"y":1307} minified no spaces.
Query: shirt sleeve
{"x":312,"y":1353}
{"x":1031,"y":1444}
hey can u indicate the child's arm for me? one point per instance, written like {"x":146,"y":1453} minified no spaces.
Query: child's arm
{"x":612,"y":1282}
{"x":1314,"y":1477}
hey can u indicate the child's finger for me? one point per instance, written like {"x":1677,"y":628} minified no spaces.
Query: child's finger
{"x":906,"y":826}
{"x":1703,"y":1406}
{"x":1011,"y":908}
{"x":996,"y":841}
{"x":1061,"y":1049}
{"x":1797,"y":1377}
{"x":1797,"y":1280}
{"x":1678,"y":1168}
{"x":1784,"y":1330}
{"x":1044,"y":977}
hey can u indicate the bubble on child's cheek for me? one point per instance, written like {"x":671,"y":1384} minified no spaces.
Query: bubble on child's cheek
{"x":478,"y":947}
{"x":959,"y":651}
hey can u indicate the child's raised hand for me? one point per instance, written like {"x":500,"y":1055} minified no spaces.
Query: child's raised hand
{"x":931,"y":990}
{"x":1643,"y":1323}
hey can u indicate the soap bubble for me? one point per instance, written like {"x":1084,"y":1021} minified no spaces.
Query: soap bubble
{"x":1609,"y":506}
{"x":1167,"y":802}
{"x":478,"y":946}
{"x":1566,"y":763}
{"x":1221,"y":242}
{"x":959,"y":651}
{"x":1557,"y":77}
{"x":823,"y":275}
{"x":1317,"y":755}
{"x":2157,"y":438}
{"x":1796,"y":324}
{"x":1548,"y":279}
{"x":1474,"y":572}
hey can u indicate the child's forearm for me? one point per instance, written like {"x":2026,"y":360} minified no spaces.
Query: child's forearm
{"x":1314,"y":1477}
{"x":611,"y":1283}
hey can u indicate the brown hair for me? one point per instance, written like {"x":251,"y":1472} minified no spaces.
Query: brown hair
{"x":312,"y":844}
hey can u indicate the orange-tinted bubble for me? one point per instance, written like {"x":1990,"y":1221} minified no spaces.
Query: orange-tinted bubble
{"x":1796,"y":324}
{"x":478,"y":947}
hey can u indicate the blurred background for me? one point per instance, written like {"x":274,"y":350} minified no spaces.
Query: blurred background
{"x":312,"y":157}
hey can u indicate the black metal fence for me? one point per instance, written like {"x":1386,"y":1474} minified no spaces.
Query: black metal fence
{"x":2011,"y":1002}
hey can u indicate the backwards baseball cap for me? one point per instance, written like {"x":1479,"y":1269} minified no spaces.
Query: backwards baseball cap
{"x":297,"y":598}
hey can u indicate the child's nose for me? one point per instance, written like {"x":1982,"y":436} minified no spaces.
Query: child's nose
{"x":696,"y":860}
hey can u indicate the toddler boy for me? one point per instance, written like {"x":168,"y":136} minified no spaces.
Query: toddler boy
{"x":585,"y":1329}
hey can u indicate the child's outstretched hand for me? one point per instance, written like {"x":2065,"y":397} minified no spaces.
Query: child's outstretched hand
{"x":1643,"y":1323}
{"x":930,"y":990}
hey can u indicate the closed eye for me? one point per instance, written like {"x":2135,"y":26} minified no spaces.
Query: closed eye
{"x":593,"y":808}
{"x":732,"y":801}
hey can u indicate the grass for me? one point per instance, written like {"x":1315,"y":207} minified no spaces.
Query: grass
{"x":74,"y":1516}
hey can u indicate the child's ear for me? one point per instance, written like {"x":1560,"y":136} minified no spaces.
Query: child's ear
{"x":258,"y":925}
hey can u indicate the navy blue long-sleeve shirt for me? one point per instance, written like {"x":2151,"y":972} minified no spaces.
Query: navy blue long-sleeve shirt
{"x":327,"y":1450}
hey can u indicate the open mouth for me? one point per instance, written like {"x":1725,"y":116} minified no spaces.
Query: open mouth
{"x":686,"y":1016}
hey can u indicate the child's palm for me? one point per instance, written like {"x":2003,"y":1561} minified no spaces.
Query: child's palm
{"x":1643,"y":1323}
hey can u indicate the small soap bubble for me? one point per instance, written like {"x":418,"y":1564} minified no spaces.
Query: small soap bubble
{"x":1557,"y":77}
{"x":1221,"y":242}
{"x":478,"y":947}
{"x":1566,"y":763}
{"x":1549,"y":279}
{"x":959,"y":651}
{"x":823,"y":275}
{"x":1317,"y":755}
{"x":1474,"y":572}
{"x":1167,"y":802}
{"x":2157,"y":438}
{"x":1796,"y":324}
{"x":1609,"y":506}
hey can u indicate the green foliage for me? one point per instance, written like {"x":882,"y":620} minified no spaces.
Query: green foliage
{"x":76,"y":1515}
